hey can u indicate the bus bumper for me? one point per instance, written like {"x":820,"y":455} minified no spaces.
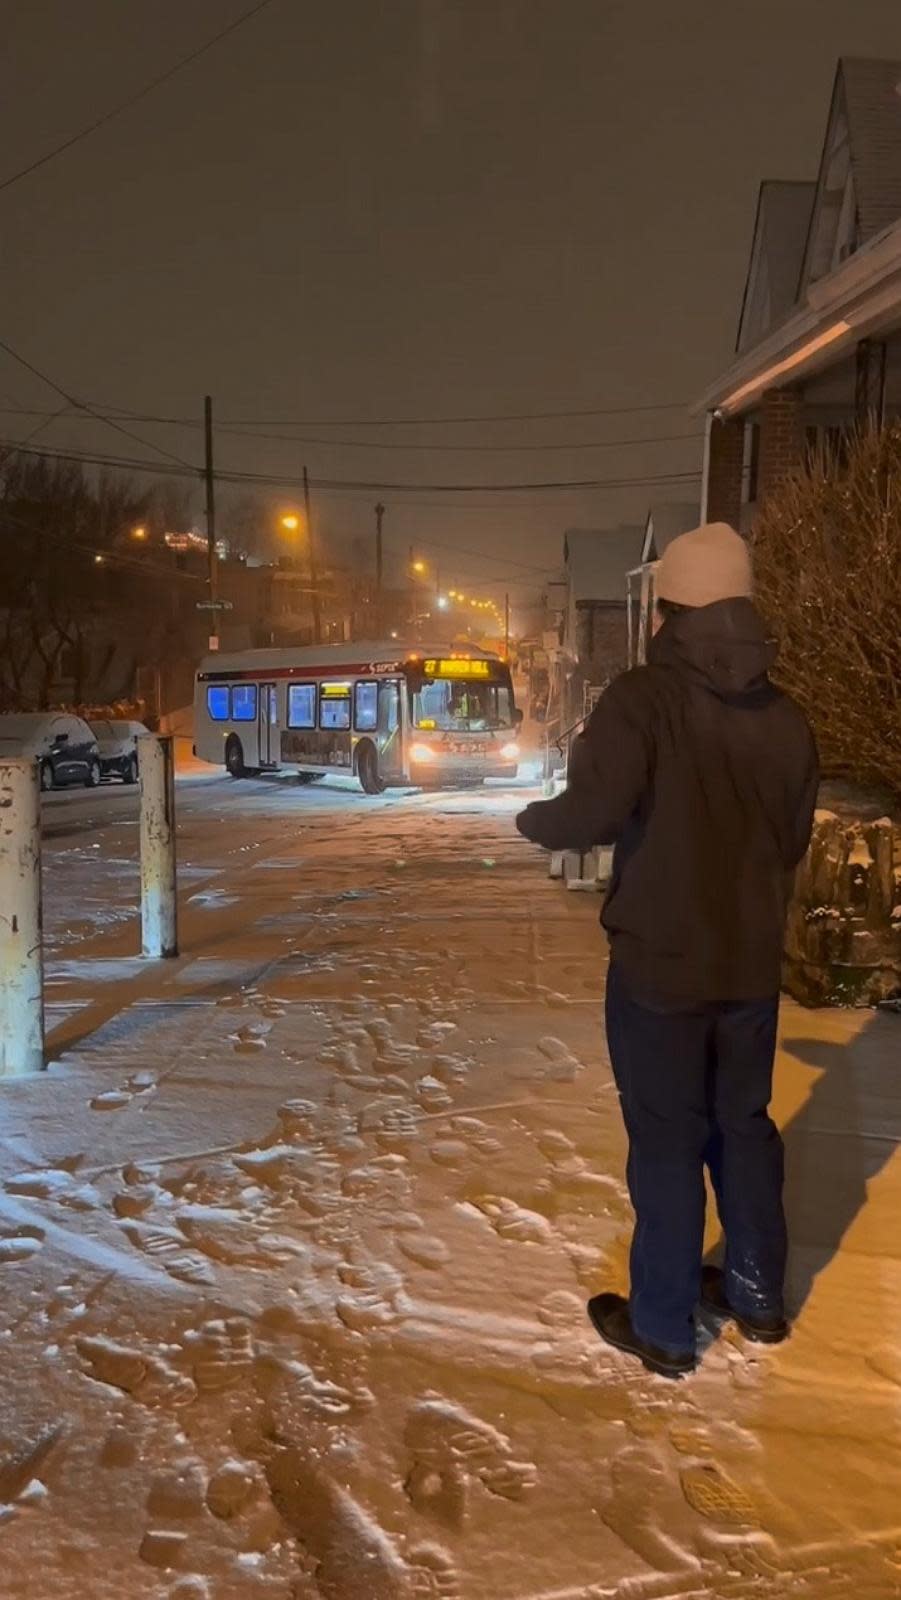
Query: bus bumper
{"x":445,"y":774}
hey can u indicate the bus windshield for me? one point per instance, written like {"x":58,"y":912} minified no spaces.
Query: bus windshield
{"x":447,"y":704}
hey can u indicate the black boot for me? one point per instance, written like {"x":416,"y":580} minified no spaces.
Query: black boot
{"x":764,"y":1329}
{"x":609,"y":1314}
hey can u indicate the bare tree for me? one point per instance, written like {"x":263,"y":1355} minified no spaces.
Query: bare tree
{"x":58,"y":531}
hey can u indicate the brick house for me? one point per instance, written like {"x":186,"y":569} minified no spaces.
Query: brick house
{"x":819,"y":338}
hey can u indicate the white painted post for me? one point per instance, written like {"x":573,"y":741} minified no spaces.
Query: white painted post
{"x":159,"y":903}
{"x":21,"y":952}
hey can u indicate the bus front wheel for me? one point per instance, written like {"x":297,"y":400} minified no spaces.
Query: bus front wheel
{"x":368,"y":770}
{"x":234,"y":759}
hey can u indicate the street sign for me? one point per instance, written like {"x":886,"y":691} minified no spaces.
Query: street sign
{"x":214,"y":605}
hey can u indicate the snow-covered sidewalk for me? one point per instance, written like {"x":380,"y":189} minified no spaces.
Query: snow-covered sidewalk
{"x":296,"y":1235}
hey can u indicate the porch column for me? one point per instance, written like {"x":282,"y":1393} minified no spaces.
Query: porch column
{"x":725,"y":463}
{"x":781,"y":436}
{"x":869,"y":387}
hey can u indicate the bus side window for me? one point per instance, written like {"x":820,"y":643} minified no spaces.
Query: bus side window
{"x":244,"y":702}
{"x":334,"y":709}
{"x":217,"y":702}
{"x":301,"y":705}
{"x":366,"y":707}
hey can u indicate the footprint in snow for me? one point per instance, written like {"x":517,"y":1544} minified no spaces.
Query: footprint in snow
{"x":142,"y":1083}
{"x":20,"y":1246}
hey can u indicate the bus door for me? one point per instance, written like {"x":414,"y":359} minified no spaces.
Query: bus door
{"x":268,"y":725}
{"x":390,"y":746}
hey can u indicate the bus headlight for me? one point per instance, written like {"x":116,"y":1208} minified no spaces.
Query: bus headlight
{"x":510,"y":752}
{"x":421,"y":752}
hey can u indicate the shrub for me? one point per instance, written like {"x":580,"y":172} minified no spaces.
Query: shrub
{"x":827,"y":549}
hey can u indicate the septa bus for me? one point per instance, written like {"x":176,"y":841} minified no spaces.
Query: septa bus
{"x":385,"y":713}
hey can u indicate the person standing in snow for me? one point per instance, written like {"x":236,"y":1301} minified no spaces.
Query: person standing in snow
{"x":704,"y":776}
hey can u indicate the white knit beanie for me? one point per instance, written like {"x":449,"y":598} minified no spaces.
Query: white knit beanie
{"x":708,"y":564}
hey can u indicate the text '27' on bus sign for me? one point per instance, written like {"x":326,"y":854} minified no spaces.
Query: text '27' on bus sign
{"x":457,"y":669}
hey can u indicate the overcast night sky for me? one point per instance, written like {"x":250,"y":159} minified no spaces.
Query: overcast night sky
{"x":360,"y":209}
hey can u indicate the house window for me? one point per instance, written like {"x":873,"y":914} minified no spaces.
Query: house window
{"x":334,"y":706}
{"x":244,"y":702}
{"x":217,"y":702}
{"x":366,"y":707}
{"x":302,"y":705}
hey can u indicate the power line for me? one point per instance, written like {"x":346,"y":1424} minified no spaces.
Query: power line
{"x":381,"y":487}
{"x":363,"y":485}
{"x":410,"y":422}
{"x":461,"y":449}
{"x":82,"y":405}
{"x":141,"y":94}
{"x":52,"y":416}
{"x":427,"y":447}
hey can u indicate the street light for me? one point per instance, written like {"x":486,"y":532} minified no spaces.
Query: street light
{"x":419,"y":567}
{"x":290,"y":523}
{"x":139,"y":533}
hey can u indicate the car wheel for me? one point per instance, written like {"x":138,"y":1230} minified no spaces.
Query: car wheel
{"x":94,"y":775}
{"x":48,"y":781}
{"x":234,"y":759}
{"x":368,"y":773}
{"x":131,"y":771}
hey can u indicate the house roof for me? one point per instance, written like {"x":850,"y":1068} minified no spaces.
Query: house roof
{"x":777,"y":252}
{"x":665,"y":523}
{"x":850,"y":281}
{"x":858,"y":190}
{"x":597,"y":561}
{"x":874,"y":124}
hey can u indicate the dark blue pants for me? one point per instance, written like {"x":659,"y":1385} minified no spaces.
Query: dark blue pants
{"x":694,"y":1088}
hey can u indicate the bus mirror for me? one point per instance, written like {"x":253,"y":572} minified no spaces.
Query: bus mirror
{"x":415,"y":681}
{"x":517,"y":718}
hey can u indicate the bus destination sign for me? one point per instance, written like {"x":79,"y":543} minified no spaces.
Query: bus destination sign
{"x":458,"y":668}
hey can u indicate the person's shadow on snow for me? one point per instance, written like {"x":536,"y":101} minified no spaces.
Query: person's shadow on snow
{"x":844,"y":1134}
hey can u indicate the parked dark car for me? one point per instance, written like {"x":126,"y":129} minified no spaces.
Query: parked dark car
{"x":117,"y":742}
{"x":64,"y":746}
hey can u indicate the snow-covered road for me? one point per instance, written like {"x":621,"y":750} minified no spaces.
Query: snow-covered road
{"x":296,"y":1235}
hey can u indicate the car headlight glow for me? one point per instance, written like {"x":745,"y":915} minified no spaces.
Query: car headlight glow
{"x":510,"y":752}
{"x":422,"y":752}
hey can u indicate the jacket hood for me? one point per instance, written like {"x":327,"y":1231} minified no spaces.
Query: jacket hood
{"x":726,"y":644}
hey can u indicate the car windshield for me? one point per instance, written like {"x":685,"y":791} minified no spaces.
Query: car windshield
{"x":447,"y":704}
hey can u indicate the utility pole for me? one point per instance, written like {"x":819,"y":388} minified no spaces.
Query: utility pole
{"x":379,"y":566}
{"x":313,"y":563}
{"x":506,"y":626}
{"x":212,"y":573}
{"x":379,"y":514}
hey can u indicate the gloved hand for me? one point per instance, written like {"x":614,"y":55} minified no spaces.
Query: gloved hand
{"x":527,"y":822}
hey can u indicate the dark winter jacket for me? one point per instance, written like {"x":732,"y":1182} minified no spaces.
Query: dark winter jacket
{"x":704,"y":776}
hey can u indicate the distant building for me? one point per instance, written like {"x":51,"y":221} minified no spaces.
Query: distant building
{"x":665,"y":523}
{"x":819,"y":337}
{"x":593,"y":627}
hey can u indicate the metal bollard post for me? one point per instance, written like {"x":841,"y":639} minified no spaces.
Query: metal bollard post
{"x":159,"y":903}
{"x":21,"y":953}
